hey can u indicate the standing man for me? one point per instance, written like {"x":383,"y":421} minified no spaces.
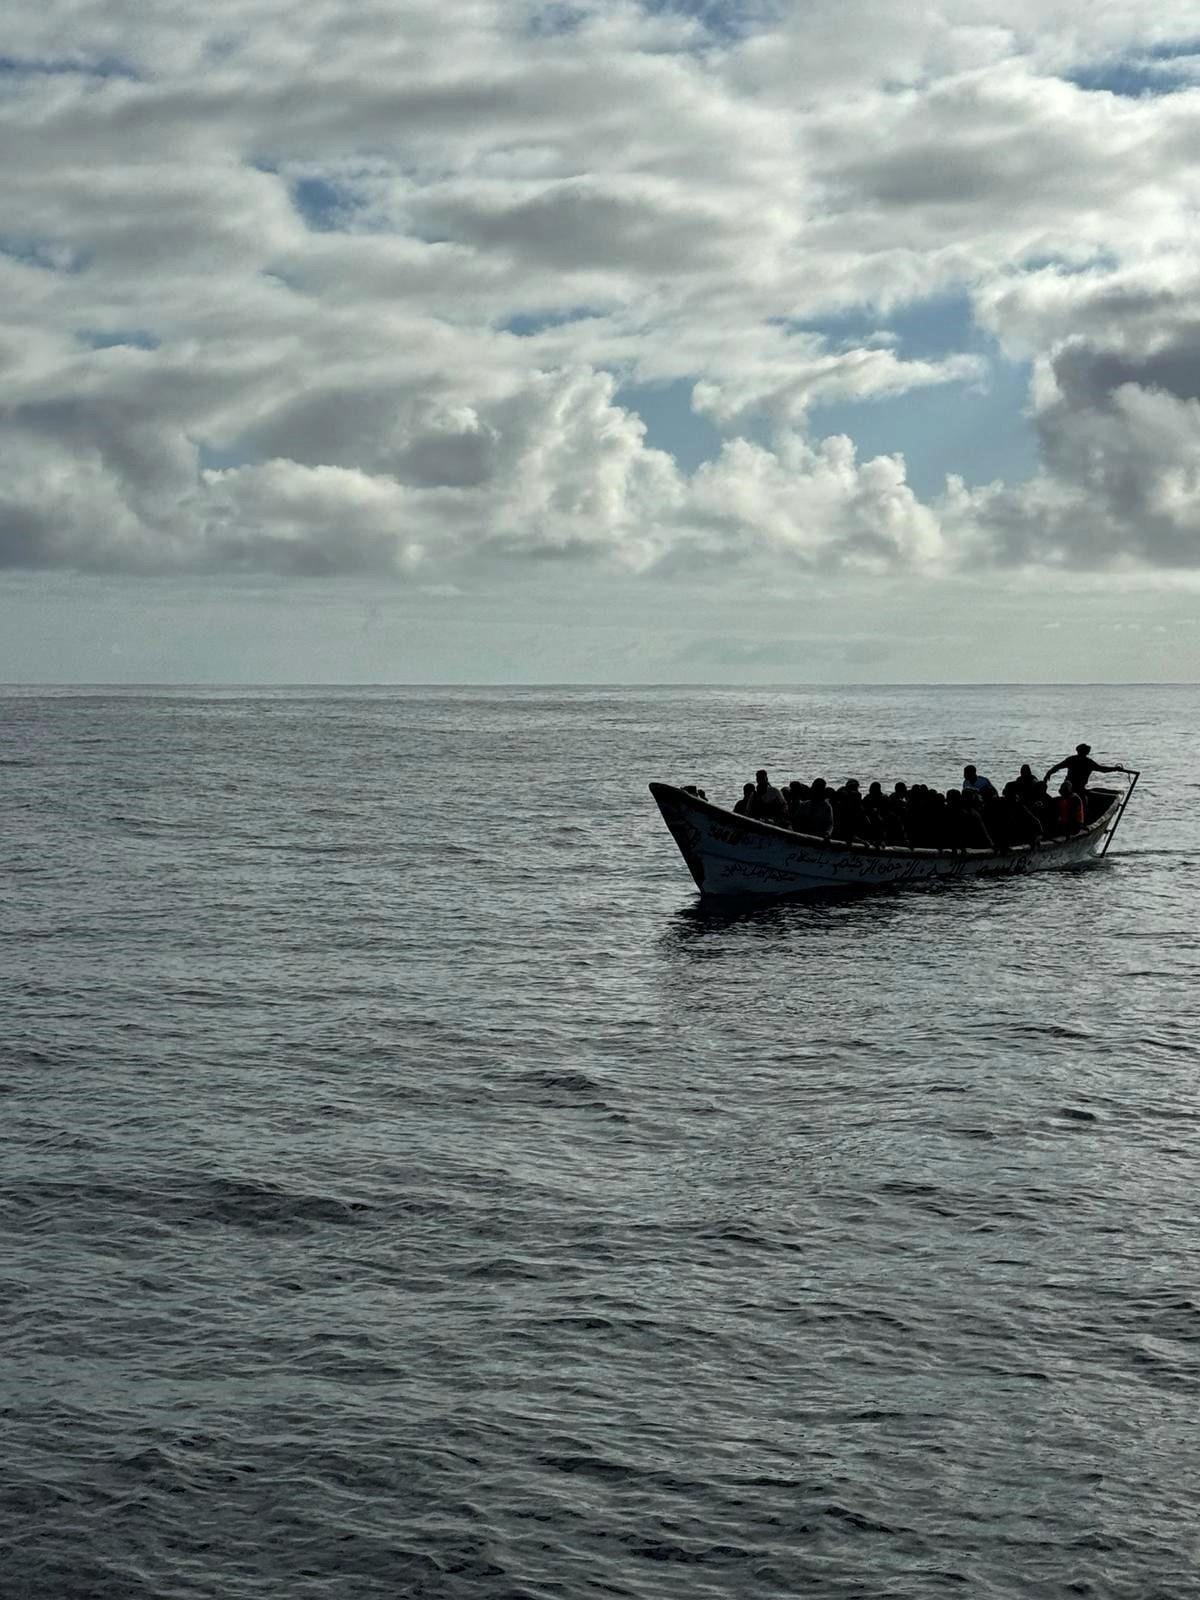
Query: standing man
{"x":1080,"y":767}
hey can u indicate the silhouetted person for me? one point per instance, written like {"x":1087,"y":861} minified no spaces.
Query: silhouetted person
{"x":1018,"y":824}
{"x":975,"y":831}
{"x":1025,"y":786}
{"x":1079,"y":768}
{"x":796,"y":795}
{"x":995,"y":819}
{"x":976,"y":782}
{"x":966,"y":830}
{"x":850,"y":819}
{"x":939,"y":819}
{"x":816,"y":815}
{"x":1047,"y":810}
{"x":766,"y":803}
{"x":1071,"y":812}
{"x":743,"y":806}
{"x":936,"y":819}
{"x":879,"y":813}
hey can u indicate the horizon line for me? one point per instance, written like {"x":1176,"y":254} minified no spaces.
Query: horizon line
{"x":567,"y":683}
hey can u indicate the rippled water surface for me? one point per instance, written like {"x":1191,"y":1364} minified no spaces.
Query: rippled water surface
{"x":408,"y":1190}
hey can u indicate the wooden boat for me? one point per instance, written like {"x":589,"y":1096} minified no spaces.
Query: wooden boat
{"x":731,"y":855}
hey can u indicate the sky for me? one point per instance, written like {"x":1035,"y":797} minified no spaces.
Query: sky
{"x":600,"y":342}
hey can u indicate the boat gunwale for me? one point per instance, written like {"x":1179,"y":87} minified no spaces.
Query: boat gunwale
{"x":904,"y":852}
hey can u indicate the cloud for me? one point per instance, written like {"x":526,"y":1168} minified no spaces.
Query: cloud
{"x":1120,"y":448}
{"x":304,"y":521}
{"x":258,"y":275}
{"x":817,"y":506}
{"x":785,"y":390}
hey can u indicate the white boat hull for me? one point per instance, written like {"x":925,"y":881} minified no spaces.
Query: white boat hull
{"x":734,"y":856}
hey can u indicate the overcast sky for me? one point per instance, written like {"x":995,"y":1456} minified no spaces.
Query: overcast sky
{"x":836,"y":341}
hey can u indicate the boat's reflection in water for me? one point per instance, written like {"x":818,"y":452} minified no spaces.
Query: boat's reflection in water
{"x":867,"y":910}
{"x":859,"y":911}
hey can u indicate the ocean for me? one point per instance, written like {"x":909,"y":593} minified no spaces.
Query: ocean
{"x":408,"y":1189}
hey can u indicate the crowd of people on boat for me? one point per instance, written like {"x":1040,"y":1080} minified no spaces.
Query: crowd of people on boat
{"x":976,"y":816}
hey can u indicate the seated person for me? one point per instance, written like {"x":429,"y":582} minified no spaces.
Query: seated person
{"x":966,"y":830}
{"x":884,"y":816}
{"x":899,"y":807}
{"x":743,"y":806}
{"x":766,"y":803}
{"x":976,"y":782}
{"x":796,"y":795}
{"x":816,"y":816}
{"x":995,"y":819}
{"x":895,"y":828}
{"x":1018,"y":825}
{"x":1071,"y":813}
{"x":850,"y":819}
{"x":940,"y":823}
{"x":921,"y":818}
{"x":1025,"y":785}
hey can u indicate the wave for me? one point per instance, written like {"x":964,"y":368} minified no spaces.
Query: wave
{"x":180,"y":1202}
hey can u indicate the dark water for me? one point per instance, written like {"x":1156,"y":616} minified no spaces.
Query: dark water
{"x":406,"y":1190}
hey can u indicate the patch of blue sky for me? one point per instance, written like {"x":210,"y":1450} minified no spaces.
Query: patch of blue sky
{"x":555,"y":18}
{"x":278,"y":278}
{"x":1091,"y":261}
{"x":221,"y":47}
{"x":525,"y":324}
{"x":325,"y":206}
{"x":45,"y":254}
{"x":671,"y":424}
{"x":923,"y":330}
{"x":725,"y":21}
{"x":211,"y":458}
{"x":115,"y":338}
{"x":1162,"y":69}
{"x":977,"y":430}
{"x":1173,"y":49}
{"x":66,"y":66}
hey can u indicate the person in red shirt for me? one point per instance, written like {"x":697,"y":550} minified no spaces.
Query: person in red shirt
{"x":1071,"y":815}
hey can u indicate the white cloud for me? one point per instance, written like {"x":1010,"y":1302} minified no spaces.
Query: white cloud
{"x":784,"y":390}
{"x":818,"y":505}
{"x":258,"y":270}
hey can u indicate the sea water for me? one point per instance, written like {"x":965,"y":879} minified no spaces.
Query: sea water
{"x":408,"y":1188}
